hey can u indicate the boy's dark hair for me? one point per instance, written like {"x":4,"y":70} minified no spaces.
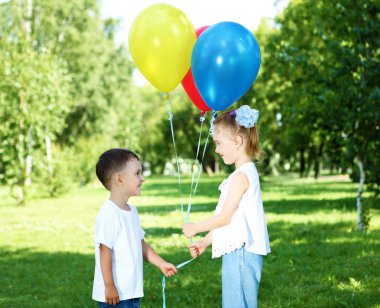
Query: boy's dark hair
{"x":112,"y":161}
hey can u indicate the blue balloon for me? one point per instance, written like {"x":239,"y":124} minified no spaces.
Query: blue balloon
{"x":225,"y":62}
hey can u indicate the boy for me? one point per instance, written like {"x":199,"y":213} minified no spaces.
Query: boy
{"x":119,"y":238}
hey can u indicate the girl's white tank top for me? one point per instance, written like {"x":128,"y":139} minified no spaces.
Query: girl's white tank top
{"x":248,"y":225}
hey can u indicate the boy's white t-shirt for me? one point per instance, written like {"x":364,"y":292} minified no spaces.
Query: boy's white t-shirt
{"x":248,"y":226}
{"x":120,"y":231}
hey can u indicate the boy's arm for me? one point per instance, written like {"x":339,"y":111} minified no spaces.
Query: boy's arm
{"x":152,"y":257}
{"x":111,"y":294}
{"x":235,"y":192}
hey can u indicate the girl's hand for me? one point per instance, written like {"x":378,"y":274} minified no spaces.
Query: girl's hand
{"x":189,"y":230}
{"x":168,"y":269}
{"x":196,"y":249}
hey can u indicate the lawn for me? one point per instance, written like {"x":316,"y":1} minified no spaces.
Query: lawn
{"x":318,"y":258}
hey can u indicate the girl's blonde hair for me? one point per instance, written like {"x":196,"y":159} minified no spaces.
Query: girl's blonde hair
{"x":253,"y":149}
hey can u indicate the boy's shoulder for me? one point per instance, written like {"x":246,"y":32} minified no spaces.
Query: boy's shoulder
{"x":107,"y":209}
{"x":107,"y":205}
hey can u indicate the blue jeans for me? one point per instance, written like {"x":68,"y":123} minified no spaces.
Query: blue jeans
{"x":241,"y":273}
{"x":128,"y":303}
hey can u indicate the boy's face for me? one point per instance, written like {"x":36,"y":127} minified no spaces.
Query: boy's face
{"x":131,"y":177}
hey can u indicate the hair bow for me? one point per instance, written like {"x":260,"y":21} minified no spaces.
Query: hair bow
{"x":245,"y":116}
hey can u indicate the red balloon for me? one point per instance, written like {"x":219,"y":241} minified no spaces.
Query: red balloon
{"x":189,"y":84}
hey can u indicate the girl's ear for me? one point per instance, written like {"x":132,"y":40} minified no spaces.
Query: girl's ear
{"x":239,"y":140}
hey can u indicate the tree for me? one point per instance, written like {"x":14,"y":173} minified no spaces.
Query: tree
{"x":63,"y":80}
{"x":355,"y":44}
{"x":324,"y":67}
{"x":33,"y":101}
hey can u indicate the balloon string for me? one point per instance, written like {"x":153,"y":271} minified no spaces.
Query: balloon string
{"x":201,"y":119}
{"x":164,"y":281}
{"x":203,"y":155}
{"x":210,"y":131}
{"x":189,"y":206}
{"x":205,"y":147}
{"x":176,"y":155}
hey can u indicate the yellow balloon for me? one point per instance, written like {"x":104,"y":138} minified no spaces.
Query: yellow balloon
{"x":161,"y":40}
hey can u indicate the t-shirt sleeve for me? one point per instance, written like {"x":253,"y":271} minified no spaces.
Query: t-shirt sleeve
{"x":106,"y":228}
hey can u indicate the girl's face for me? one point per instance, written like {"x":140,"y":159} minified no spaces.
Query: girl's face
{"x":226,"y":145}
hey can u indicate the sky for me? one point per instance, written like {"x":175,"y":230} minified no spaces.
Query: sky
{"x":200,"y":12}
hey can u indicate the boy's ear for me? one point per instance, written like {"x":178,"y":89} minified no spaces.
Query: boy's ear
{"x":119,"y":178}
{"x":116,"y":178}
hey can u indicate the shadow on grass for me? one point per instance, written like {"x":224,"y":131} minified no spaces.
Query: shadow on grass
{"x":311,"y":264}
{"x":159,"y":232}
{"x":198,"y":284}
{"x":308,"y":206}
{"x":321,"y":265}
{"x":165,"y":209}
{"x":301,"y":206}
{"x":41,"y":279}
{"x":308,"y":188}
{"x":208,"y":188}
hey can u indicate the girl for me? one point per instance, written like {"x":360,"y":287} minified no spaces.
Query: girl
{"x":238,"y":230}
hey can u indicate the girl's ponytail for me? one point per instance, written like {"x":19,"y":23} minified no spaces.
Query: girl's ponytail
{"x":253,"y":144}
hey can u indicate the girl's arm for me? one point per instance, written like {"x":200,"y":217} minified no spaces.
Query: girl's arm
{"x":111,"y":294}
{"x":152,"y":257}
{"x":237,"y":188}
{"x":197,"y":248}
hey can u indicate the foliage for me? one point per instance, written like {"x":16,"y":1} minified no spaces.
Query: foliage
{"x":33,"y":100}
{"x":99,"y":72}
{"x":150,"y":112}
{"x":320,"y":77}
{"x":156,"y":136}
{"x":54,"y":176}
{"x":62,"y":77}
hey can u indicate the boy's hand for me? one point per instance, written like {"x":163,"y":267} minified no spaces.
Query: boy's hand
{"x":112,"y":296}
{"x":189,"y":230}
{"x":196,"y":249}
{"x":168,"y":269}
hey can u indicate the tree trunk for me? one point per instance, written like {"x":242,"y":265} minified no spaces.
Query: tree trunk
{"x":307,"y":168}
{"x":316,"y":168}
{"x":332,"y":167}
{"x":317,"y":160}
{"x":217,"y":169}
{"x":29,"y":163}
{"x":302,"y":162}
{"x":359,"y":196}
{"x":209,"y":170}
{"x":20,"y":194}
{"x":49,"y":156}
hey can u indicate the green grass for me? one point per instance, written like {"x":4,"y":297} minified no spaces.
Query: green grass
{"x":318,"y":258}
